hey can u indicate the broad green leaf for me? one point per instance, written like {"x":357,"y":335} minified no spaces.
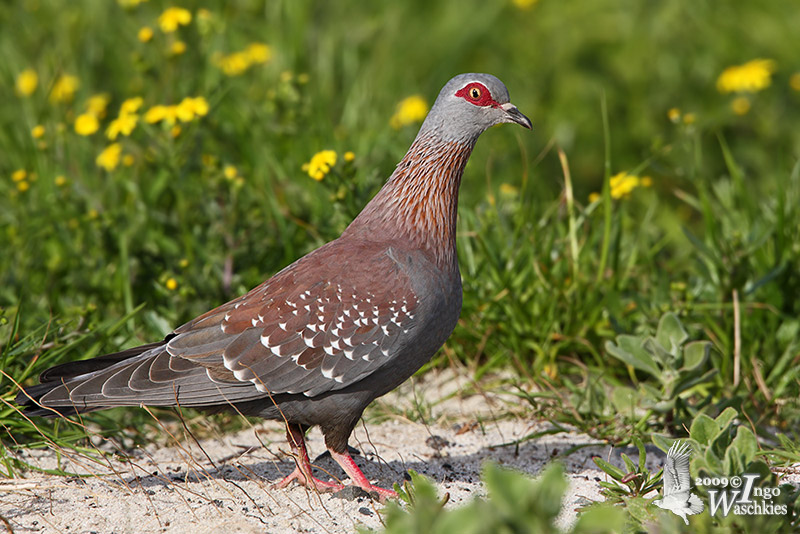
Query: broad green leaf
{"x":726,"y":417}
{"x":695,"y":354}
{"x":641,"y":509}
{"x":703,"y":429}
{"x":600,"y":519}
{"x":713,"y":462}
{"x":670,"y":333}
{"x":625,"y":400}
{"x":630,"y":351}
{"x":745,"y":444}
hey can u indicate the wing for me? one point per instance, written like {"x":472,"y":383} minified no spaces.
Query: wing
{"x":676,"y":469}
{"x":323,"y":323}
{"x":320,"y":326}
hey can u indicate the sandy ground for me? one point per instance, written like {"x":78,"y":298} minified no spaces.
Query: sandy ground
{"x":177,"y":488}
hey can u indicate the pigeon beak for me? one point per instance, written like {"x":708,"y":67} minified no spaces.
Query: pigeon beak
{"x":514,"y":115}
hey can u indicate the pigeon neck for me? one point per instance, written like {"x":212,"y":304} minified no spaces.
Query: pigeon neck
{"x":419,"y":202}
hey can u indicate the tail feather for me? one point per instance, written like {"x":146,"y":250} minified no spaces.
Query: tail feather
{"x":146,"y":375}
{"x":59,"y":375}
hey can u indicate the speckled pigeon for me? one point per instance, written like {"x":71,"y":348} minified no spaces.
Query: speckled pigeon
{"x":341,"y":326}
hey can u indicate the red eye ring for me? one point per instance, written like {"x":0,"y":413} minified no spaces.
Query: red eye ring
{"x":476,"y":93}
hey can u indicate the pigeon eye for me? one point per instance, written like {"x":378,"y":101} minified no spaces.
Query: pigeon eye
{"x":475,"y":93}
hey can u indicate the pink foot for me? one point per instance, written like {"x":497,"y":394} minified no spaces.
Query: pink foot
{"x":358,"y":478}
{"x":303,"y":480}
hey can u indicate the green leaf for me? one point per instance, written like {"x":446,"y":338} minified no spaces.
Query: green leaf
{"x":642,"y":452}
{"x":629,"y":465}
{"x":630,"y":351}
{"x":671,"y":334}
{"x":713,"y":463}
{"x":662,"y":442}
{"x":641,"y":509}
{"x":726,"y":417}
{"x":600,"y":519}
{"x":745,"y":444}
{"x":625,"y":400}
{"x":611,"y":470}
{"x":703,"y":429}
{"x":695,"y":354}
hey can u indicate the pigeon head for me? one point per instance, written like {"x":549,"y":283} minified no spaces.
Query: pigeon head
{"x":468,"y":105}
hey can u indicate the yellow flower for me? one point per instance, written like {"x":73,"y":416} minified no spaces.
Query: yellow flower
{"x":131,"y":105}
{"x":258,"y":52}
{"x":349,"y":156}
{"x":92,"y":214}
{"x":38,"y":131}
{"x":160,"y":113}
{"x":64,"y":89}
{"x":172,"y":17}
{"x":200,"y":106}
{"x":27,"y":80}
{"x":23,"y":186}
{"x":674,"y":114}
{"x":594,"y":197}
{"x":409,"y":110}
{"x":130,"y":3}
{"x":171,"y":284}
{"x":237,"y":63}
{"x":740,"y":105}
{"x":109,"y":158}
{"x":60,"y":180}
{"x":128,"y":160}
{"x":233,"y":64}
{"x":302,"y":78}
{"x":689,"y":118}
{"x":96,"y":105}
{"x":525,"y":4}
{"x":320,"y":164}
{"x":124,"y":124}
{"x":191,"y":107}
{"x":175,"y":131}
{"x":750,"y":77}
{"x":794,"y":81}
{"x":19,"y":175}
{"x":145,"y":34}
{"x":646,"y":181}
{"x":230,"y":172}
{"x":622,"y":184}
{"x":185,"y":111}
{"x":188,"y":109}
{"x":86,"y":124}
{"x":177,"y":48}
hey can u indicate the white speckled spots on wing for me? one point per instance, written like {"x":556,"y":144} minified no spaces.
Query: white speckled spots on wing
{"x":308,"y":340}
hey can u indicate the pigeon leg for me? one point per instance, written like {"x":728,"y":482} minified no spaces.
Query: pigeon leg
{"x":302,"y":472}
{"x":358,"y":478}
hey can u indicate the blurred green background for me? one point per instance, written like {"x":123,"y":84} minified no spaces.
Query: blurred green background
{"x":192,"y":216}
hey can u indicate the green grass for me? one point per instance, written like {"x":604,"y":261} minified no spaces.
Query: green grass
{"x":549,"y":277}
